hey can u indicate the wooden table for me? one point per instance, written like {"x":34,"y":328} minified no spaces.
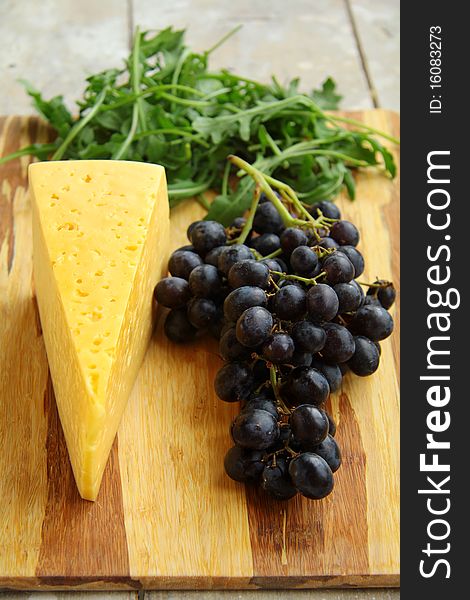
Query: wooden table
{"x":56,"y":43}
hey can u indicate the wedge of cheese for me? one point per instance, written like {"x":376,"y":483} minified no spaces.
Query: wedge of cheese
{"x":100,"y":240}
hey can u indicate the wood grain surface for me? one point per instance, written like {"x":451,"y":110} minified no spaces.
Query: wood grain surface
{"x":167,"y":517}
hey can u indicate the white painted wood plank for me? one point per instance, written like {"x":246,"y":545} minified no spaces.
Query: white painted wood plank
{"x":307,"y":38}
{"x":55,"y":44}
{"x":378,"y":26}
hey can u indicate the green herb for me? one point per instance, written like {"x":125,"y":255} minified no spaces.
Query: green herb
{"x":165,"y":106}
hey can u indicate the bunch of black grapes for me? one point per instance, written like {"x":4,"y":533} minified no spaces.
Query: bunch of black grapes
{"x":291,"y":320}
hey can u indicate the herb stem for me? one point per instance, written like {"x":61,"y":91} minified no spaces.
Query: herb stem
{"x":135,"y":76}
{"x":177,"y":192}
{"x":151,"y":91}
{"x":334,"y":153}
{"x":176,"y":74}
{"x":262,"y":108}
{"x":34,"y":150}
{"x":79,"y":125}
{"x":363,"y":126}
{"x":223,"y":39}
{"x":184,"y":101}
{"x":203,"y":201}
{"x":224,"y":189}
{"x":184,"y":135}
{"x":136,"y":109}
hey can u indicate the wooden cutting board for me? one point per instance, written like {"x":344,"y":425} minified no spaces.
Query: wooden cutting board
{"x":167,"y":516}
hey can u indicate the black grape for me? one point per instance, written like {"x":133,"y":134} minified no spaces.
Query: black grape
{"x":212,"y":257}
{"x":202,"y":312}
{"x":339,"y":346}
{"x":265,"y":244}
{"x":204,"y":282}
{"x":328,"y":209}
{"x":291,"y":238}
{"x":308,"y":337}
{"x":350,"y":296}
{"x":372,"y":321}
{"x":256,"y":429}
{"x":330,"y":452}
{"x":305,"y":385}
{"x":366,"y":357}
{"x":301,"y":359}
{"x":182,"y":262}
{"x":327,"y":243}
{"x":371,"y":301}
{"x":304,"y":261}
{"x":231,"y":255}
{"x":178,"y":328}
{"x":279,"y":348}
{"x":331,"y":372}
{"x":322,"y":302}
{"x":385,"y":294}
{"x":261,"y":403}
{"x":172,"y":292}
{"x":355,"y":257}
{"x":345,"y":233}
{"x":244,"y":465}
{"x":273,"y":265}
{"x":311,"y":475}
{"x":267,"y":219}
{"x":331,"y":425}
{"x":234,"y":382}
{"x":254,"y":326}
{"x":205,"y":235}
{"x":249,"y":272}
{"x":290,"y":303}
{"x":276,"y":481}
{"x":241,"y":299}
{"x":338,"y":268}
{"x":230,"y":348}
{"x":309,"y":425}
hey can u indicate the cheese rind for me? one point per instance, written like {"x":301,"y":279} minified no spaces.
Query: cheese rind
{"x":100,"y":241}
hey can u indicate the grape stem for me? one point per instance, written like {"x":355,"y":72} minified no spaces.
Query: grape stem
{"x":381,"y":284}
{"x":273,"y":455}
{"x":322,"y":252}
{"x":307,"y":281}
{"x":259,"y":388}
{"x":288,"y":449}
{"x":251,"y":215}
{"x":274,"y":284}
{"x":274,"y":254}
{"x":266,"y":184}
{"x":259,"y":256}
{"x":277,"y":395}
{"x":263,"y":184}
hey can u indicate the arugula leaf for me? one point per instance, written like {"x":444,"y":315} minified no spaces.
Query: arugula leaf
{"x":165,"y":105}
{"x":327,"y":98}
{"x":54,"y":111}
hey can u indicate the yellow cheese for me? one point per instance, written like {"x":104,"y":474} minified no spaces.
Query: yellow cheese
{"x":100,"y":239}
